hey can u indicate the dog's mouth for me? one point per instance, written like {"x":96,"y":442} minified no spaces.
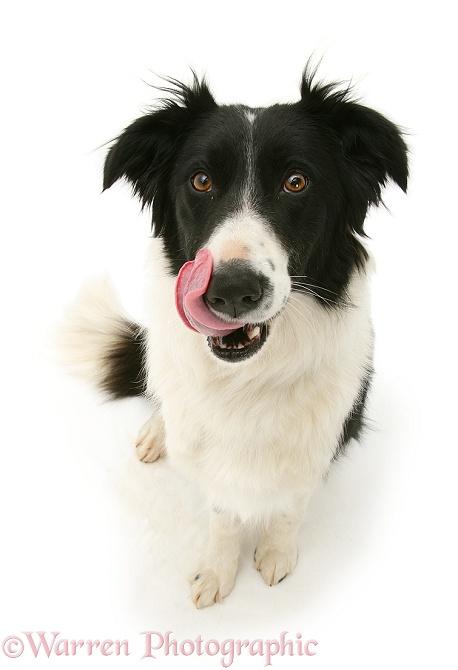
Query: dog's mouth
{"x":241,"y":343}
{"x":230,"y":341}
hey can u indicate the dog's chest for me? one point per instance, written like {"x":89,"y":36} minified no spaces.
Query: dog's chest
{"x":252,"y":447}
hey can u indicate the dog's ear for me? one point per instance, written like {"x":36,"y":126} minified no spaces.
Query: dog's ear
{"x":146,"y":149}
{"x":371,"y":147}
{"x":374,"y":149}
{"x":140,"y":153}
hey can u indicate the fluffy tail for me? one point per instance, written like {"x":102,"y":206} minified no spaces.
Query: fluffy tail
{"x":98,"y":343}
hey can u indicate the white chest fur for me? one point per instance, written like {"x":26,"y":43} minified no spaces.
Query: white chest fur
{"x":258,"y":433}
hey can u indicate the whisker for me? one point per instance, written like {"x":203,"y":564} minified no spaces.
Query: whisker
{"x":304,"y":288}
{"x":322,"y":288}
{"x":291,"y":300}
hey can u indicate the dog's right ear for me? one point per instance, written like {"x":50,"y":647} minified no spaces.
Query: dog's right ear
{"x":140,"y":153}
{"x":146,"y":149}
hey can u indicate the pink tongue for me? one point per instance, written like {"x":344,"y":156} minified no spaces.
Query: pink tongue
{"x":192,"y":282}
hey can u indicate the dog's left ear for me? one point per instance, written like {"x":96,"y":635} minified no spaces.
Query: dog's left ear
{"x":373,"y":149}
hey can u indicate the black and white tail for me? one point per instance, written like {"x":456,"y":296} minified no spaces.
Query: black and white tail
{"x":98,"y":343}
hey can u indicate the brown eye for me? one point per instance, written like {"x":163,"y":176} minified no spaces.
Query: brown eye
{"x":201,"y":182}
{"x":295,"y":183}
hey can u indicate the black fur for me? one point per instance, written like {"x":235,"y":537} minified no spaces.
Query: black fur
{"x":348,"y":151}
{"x":355,"y":422}
{"x":124,"y":363}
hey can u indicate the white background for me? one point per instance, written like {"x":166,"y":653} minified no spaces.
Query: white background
{"x":97,"y":545}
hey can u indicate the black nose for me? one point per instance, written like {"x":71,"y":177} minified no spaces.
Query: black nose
{"x":235,"y":288}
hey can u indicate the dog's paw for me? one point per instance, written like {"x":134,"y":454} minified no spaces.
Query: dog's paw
{"x":150,"y":443}
{"x":209,"y":587}
{"x":274,"y":562}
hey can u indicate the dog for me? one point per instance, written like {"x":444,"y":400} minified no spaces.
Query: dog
{"x":257,"y":355}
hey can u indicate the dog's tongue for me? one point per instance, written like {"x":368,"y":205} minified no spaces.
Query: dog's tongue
{"x":192,"y":282}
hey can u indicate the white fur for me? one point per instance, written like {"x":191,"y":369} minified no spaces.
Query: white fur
{"x":257,"y":435}
{"x":92,"y":323}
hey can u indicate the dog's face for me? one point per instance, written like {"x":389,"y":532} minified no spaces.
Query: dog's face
{"x":276,"y":195}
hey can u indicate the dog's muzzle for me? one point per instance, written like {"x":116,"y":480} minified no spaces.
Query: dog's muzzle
{"x":219,"y":305}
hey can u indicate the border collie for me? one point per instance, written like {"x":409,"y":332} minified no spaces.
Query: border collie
{"x":257,"y":355}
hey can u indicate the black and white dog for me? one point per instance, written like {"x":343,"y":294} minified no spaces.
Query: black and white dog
{"x":258,"y":348}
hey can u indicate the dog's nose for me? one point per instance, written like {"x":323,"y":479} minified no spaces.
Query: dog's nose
{"x":235,"y":288}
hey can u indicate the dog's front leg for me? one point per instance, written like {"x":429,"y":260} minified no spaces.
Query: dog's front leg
{"x":276,"y":554}
{"x":215,"y":576}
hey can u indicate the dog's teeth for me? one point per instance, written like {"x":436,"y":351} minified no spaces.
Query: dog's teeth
{"x":240,"y":346}
{"x":254,"y":332}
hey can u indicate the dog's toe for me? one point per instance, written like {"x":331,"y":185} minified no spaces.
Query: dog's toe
{"x":205,"y":589}
{"x":150,"y":443}
{"x":208,"y":587}
{"x":275,"y":564}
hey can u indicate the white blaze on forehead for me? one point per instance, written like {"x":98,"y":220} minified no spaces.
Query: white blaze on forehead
{"x":247,"y":235}
{"x":242,"y":232}
{"x":250,"y":115}
{"x":248,"y":186}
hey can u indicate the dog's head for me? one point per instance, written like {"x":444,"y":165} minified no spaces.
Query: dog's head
{"x":276,"y":196}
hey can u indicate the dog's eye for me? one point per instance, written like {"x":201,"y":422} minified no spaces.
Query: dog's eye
{"x":295,"y":182}
{"x":201,"y":182}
